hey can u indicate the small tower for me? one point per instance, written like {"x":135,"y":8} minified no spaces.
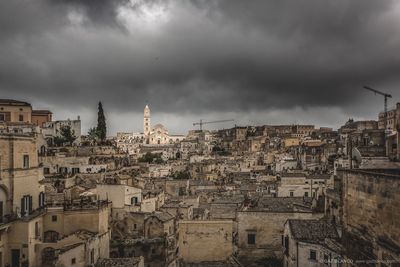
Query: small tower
{"x":146,"y":122}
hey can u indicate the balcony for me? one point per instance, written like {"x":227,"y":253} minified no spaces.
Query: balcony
{"x":5,"y":220}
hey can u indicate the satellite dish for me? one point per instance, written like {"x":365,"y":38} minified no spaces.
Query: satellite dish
{"x":355,"y":154}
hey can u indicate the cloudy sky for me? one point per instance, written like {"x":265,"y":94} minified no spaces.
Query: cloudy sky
{"x":258,"y":62}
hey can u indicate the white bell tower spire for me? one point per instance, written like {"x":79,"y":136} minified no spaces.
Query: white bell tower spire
{"x":146,"y":122}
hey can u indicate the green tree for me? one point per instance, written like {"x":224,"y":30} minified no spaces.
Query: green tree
{"x":58,"y":141}
{"x":101,"y":124}
{"x":93,"y":134}
{"x":68,"y":134}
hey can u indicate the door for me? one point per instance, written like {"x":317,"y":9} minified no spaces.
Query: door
{"x":15,"y":258}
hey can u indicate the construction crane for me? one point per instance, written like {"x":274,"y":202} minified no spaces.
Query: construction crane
{"x":201,"y":123}
{"x":386,"y":96}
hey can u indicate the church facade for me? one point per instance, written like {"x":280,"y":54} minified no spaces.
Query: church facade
{"x":157,"y":135}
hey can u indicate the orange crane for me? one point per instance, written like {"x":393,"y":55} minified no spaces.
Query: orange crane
{"x":201,"y":123}
{"x":386,"y":96}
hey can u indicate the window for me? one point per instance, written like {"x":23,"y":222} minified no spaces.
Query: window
{"x":2,"y":117}
{"x":73,"y":261}
{"x":54,"y":218}
{"x":251,"y":239}
{"x":291,"y":194}
{"x":134,"y":226}
{"x":26,"y":161}
{"x":21,"y":117}
{"x":37,"y":234}
{"x":26,"y":205}
{"x":313,"y":255}
{"x":46,"y":170}
{"x":41,"y":199}
{"x":306,"y":194}
{"x":92,"y":256}
{"x":286,"y":245}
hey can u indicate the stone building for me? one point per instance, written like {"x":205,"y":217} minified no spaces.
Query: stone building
{"x":285,"y":163}
{"x":393,"y":118}
{"x":261,"y":225}
{"x":124,"y":198}
{"x":205,"y":241}
{"x":351,"y":126}
{"x":149,"y":235}
{"x":180,"y":210}
{"x":130,"y":226}
{"x":20,"y":192}
{"x":146,"y":121}
{"x":71,"y":225}
{"x":41,"y":117}
{"x":311,"y":155}
{"x":163,"y":225}
{"x":158,"y":134}
{"x":121,"y":262}
{"x":392,"y":132}
{"x":371,"y":212}
{"x":311,"y":243}
{"x":130,"y":142}
{"x":53,"y":129}
{"x":370,"y":143}
{"x":15,"y":111}
{"x":21,"y":200}
{"x":176,"y":187}
{"x":303,"y":185}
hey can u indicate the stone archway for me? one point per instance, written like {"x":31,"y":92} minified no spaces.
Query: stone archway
{"x":48,"y":256}
{"x":4,"y":199}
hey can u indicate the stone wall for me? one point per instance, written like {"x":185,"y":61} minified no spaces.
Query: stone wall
{"x":371,"y":209}
{"x":201,"y":241}
{"x":268,"y":228}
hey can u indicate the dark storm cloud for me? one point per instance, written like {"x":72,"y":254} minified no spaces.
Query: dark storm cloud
{"x":199,"y":56}
{"x":98,"y":11}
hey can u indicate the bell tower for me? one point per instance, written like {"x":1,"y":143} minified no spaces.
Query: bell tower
{"x":146,"y":121}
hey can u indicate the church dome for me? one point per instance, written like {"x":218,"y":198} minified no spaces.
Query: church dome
{"x":159,"y":126}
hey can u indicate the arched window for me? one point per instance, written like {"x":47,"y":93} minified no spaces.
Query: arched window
{"x":51,"y":236}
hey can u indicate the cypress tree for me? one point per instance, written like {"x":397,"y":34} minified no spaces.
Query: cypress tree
{"x":101,"y":124}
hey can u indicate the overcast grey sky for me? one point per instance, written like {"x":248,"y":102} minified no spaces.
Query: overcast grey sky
{"x":258,"y":62}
